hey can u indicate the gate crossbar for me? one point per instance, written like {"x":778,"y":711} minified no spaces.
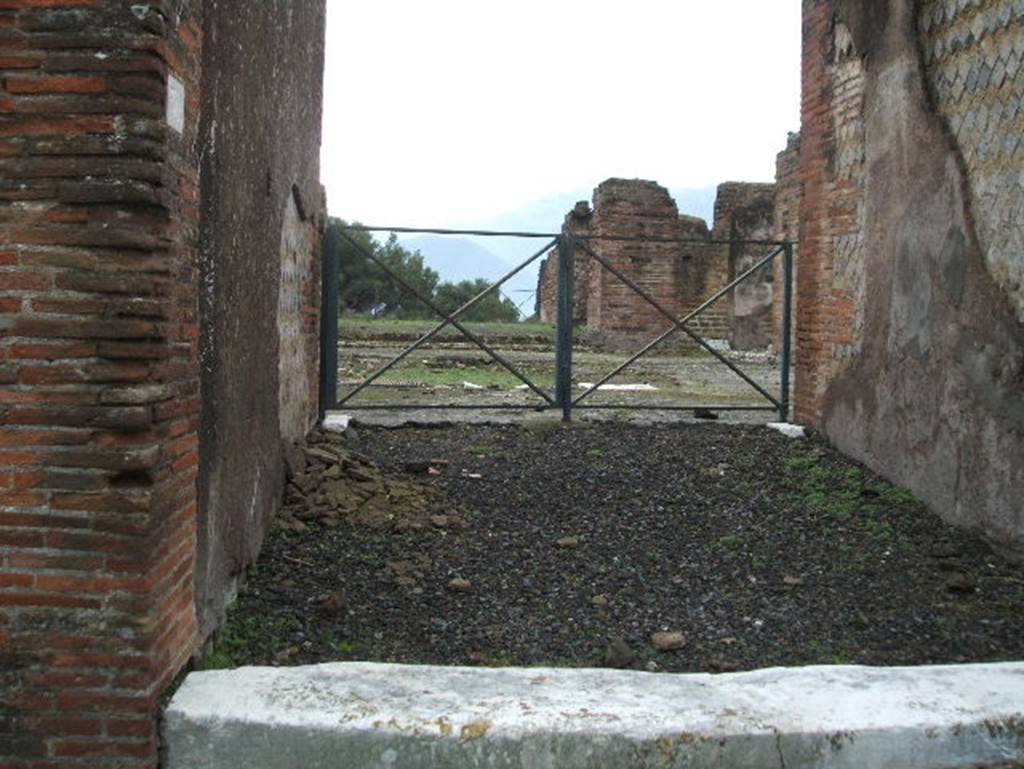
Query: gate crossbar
{"x":447,"y":320}
{"x":679,"y":324}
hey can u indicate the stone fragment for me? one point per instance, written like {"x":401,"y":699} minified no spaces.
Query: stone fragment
{"x":600,"y":600}
{"x":961,"y":583}
{"x":618,"y":654}
{"x":568,"y":543}
{"x":294,"y":460}
{"x":668,"y":640}
{"x":459,"y":585}
{"x":792,"y":581}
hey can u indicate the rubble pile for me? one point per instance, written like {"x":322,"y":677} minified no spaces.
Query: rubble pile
{"x":330,"y":483}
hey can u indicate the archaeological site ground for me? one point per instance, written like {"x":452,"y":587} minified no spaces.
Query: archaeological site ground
{"x":570,"y":541}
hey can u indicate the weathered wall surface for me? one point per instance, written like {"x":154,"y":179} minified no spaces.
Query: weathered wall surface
{"x":262,"y":211}
{"x":788,"y":194}
{"x":577,"y":222}
{"x":633,"y":209}
{"x":746,"y":212}
{"x":681,"y":275}
{"x":98,"y":374}
{"x":911,"y":342}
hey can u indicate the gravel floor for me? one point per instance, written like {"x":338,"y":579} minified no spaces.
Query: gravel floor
{"x":551,"y":545}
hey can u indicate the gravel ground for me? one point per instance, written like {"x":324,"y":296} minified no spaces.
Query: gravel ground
{"x":552,"y":545}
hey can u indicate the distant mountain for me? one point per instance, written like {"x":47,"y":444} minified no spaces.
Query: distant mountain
{"x":457,"y":258}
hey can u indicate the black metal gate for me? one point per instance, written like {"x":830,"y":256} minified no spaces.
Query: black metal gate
{"x":561,"y":398}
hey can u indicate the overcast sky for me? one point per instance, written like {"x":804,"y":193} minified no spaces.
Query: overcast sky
{"x":445,"y":112}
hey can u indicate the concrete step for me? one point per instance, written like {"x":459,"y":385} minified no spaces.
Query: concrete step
{"x":364,"y":715}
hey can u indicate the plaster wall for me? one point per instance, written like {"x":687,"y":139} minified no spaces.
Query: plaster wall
{"x":261,"y":212}
{"x":920,"y":370}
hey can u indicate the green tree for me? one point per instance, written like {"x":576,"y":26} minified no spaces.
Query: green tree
{"x":365,"y":288}
{"x":493,"y":307}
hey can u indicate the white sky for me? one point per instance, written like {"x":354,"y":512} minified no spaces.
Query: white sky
{"x":443,"y":112}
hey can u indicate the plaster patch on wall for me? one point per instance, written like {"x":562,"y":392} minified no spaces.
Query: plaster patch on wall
{"x":974,"y":59}
{"x":175,"y":104}
{"x":293,"y":366}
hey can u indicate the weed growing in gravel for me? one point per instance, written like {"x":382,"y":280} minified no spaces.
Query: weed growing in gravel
{"x":248,"y":638}
{"x":825,"y":490}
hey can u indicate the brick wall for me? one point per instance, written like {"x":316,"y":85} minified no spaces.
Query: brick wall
{"x":98,"y":375}
{"x":645,"y":211}
{"x":829,"y":291}
{"x":682,"y":275}
{"x":577,"y":222}
{"x":155,"y":192}
{"x":910,"y":350}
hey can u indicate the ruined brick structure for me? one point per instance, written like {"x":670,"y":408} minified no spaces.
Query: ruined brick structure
{"x":788,"y":192}
{"x":158,"y":169}
{"x":910,"y":298}
{"x":680,"y":275}
{"x":743,"y":213}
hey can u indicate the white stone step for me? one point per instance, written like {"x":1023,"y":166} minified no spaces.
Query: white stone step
{"x":374,"y":716}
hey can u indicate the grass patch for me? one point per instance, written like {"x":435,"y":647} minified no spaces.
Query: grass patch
{"x":246,"y":639}
{"x":844,"y":493}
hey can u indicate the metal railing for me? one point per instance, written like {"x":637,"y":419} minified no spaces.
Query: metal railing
{"x":562,"y":398}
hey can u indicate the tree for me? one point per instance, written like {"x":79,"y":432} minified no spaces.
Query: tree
{"x":365,"y":288}
{"x":493,"y":307}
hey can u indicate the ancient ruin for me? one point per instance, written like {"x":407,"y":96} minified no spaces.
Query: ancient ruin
{"x":159,"y":284}
{"x":680,"y":275}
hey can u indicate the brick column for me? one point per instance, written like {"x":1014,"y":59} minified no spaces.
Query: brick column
{"x":98,"y":374}
{"x":831,"y":234}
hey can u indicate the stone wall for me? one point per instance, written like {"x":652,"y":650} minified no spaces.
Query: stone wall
{"x":125,"y":213}
{"x":911,"y":347}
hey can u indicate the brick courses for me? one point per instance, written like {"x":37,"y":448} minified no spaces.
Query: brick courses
{"x":98,"y":377}
{"x":681,"y":276}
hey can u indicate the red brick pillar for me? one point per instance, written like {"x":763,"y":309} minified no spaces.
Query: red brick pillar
{"x":831,"y":172}
{"x":98,"y":374}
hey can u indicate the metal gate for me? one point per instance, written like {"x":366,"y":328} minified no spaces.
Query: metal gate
{"x":560,"y":397}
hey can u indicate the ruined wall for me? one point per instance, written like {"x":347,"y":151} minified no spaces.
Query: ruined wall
{"x":788,"y":193}
{"x":745,"y":212}
{"x":111,"y":243}
{"x":99,"y":391}
{"x":911,"y":348}
{"x":633,"y":209}
{"x":682,"y":274}
{"x":259,"y":259}
{"x":577,"y":222}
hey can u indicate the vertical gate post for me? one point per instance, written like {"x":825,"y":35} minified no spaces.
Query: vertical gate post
{"x":787,"y":314}
{"x":329,"y":321}
{"x":563,"y":328}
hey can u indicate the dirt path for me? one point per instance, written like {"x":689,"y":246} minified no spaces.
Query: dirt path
{"x":462,"y":376}
{"x":546,"y":545}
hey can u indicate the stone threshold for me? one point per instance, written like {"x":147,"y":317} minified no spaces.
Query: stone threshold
{"x":370,"y":716}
